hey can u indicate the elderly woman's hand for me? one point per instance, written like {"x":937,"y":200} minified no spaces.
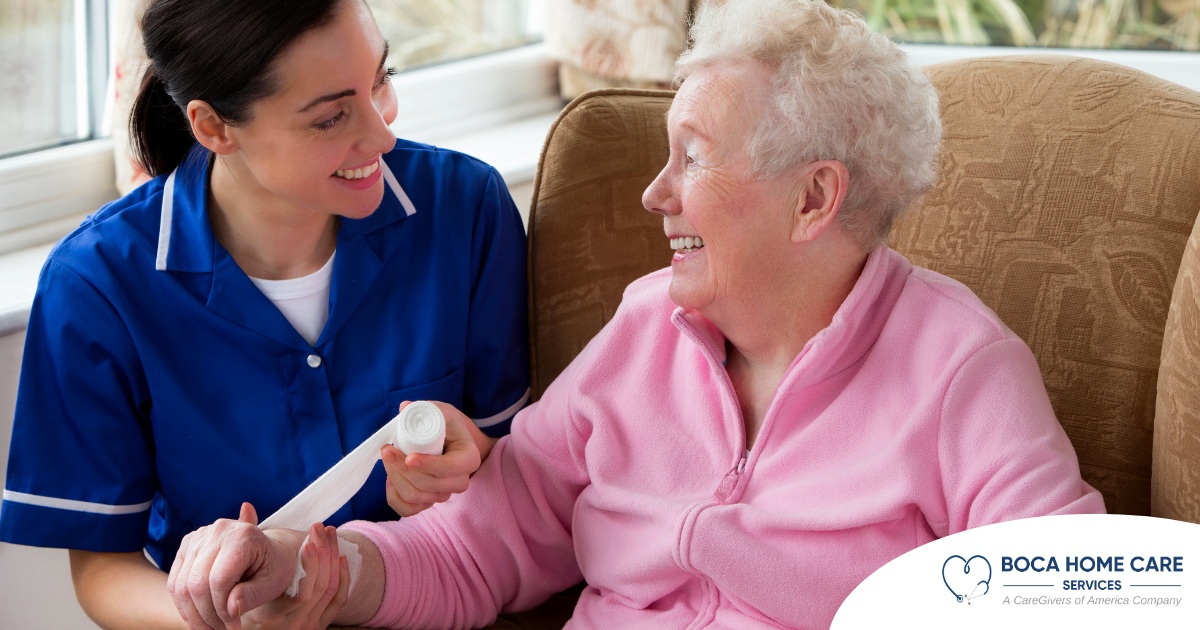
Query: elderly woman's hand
{"x":415,"y":482}
{"x":232,"y":568}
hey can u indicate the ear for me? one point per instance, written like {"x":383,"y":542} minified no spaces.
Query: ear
{"x":823,"y":188}
{"x":210,"y":130}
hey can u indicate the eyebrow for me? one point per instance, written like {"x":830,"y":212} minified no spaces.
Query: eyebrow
{"x":692,"y":126}
{"x":344,"y":93}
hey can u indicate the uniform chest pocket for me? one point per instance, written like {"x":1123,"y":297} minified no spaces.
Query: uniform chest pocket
{"x":447,"y":389}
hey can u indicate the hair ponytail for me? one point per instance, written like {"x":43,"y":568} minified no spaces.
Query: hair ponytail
{"x":160,"y":135}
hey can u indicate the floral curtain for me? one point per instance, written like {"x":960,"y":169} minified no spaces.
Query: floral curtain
{"x":130,"y":63}
{"x":615,"y":43}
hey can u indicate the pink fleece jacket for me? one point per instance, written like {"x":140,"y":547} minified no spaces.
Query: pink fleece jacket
{"x":916,"y":414}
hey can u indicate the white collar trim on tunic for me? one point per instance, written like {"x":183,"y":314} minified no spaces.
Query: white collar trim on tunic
{"x":168,"y":206}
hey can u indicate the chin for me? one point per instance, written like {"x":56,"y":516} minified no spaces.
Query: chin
{"x":686,"y":295}
{"x":362,"y":205}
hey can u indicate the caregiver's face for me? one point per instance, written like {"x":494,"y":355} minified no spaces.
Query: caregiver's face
{"x":728,"y":227}
{"x":317,"y":142}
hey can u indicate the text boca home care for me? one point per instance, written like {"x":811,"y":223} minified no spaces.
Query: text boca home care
{"x":1142,"y":565}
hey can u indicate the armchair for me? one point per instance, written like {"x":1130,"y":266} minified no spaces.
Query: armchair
{"x":1068,"y":192}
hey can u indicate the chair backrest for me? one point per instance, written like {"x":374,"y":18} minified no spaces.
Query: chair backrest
{"x":589,"y":235}
{"x":1068,"y":190}
{"x":1067,"y":193}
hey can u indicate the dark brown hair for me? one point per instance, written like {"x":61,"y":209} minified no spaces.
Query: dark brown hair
{"x":218,"y":51}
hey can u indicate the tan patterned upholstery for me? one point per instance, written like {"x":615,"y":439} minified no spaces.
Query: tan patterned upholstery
{"x":589,"y":236}
{"x":1069,"y":188}
{"x":1176,"y":480}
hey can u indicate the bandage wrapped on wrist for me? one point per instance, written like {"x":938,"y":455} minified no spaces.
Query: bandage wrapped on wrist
{"x":419,"y":428}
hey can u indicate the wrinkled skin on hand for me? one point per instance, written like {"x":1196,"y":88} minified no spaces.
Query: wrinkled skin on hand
{"x":232,"y":575}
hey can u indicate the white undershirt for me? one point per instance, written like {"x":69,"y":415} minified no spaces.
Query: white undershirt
{"x":303,"y":301}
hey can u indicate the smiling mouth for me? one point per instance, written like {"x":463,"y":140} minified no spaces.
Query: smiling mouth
{"x":357,"y":173}
{"x":687,"y":244}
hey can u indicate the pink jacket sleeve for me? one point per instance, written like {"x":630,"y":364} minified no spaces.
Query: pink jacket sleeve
{"x":1003,"y":453}
{"x":505,"y":543}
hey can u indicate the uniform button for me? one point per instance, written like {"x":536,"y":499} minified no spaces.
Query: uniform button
{"x":314,"y":361}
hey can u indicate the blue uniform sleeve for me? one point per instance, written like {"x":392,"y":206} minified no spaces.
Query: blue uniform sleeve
{"x":80,"y":469}
{"x":497,"y":363}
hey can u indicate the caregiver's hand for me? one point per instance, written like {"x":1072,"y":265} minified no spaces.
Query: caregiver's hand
{"x":415,"y":481}
{"x":226,"y":569}
{"x":323,"y":589}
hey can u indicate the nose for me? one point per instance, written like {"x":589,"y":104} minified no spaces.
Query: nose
{"x":376,"y":136}
{"x":660,"y":196}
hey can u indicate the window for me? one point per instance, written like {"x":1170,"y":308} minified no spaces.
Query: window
{"x":423,"y":32}
{"x":53,"y":62}
{"x":1094,"y":24}
{"x":54,"y":56}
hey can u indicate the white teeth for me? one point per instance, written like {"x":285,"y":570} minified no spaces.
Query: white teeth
{"x":357,"y":173}
{"x":687,"y":243}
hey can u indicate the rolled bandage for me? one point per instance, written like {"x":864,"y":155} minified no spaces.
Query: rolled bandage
{"x":420,"y":428}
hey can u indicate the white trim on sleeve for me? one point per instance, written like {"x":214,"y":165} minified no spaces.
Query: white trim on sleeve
{"x":75,"y":506}
{"x":164,"y":223}
{"x":503,"y":415}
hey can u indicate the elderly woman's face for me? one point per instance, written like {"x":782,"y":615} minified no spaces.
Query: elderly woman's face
{"x":729,"y":228}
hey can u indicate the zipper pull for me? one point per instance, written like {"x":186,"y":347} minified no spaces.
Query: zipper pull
{"x":730,"y":480}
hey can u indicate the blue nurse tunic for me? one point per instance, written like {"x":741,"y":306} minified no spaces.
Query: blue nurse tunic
{"x":160,"y":388}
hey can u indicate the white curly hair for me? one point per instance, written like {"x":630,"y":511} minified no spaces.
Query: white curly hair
{"x":839,"y":92}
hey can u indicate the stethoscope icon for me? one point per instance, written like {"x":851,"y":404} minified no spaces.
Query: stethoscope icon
{"x":975,"y":590}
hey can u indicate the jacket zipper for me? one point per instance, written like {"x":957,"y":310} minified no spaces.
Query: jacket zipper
{"x":729,"y":481}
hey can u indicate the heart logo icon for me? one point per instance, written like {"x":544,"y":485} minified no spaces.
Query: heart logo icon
{"x":967,"y":578}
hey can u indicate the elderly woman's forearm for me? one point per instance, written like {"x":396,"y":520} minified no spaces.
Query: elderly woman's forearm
{"x":123,"y":590}
{"x":367,"y":593}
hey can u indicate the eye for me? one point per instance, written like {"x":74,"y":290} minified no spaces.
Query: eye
{"x":387,"y":74}
{"x":690,"y":159}
{"x":330,"y":123}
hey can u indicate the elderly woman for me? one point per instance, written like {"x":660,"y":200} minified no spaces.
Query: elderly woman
{"x":761,"y":426}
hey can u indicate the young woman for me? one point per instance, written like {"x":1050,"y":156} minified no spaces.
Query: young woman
{"x":227,"y":332}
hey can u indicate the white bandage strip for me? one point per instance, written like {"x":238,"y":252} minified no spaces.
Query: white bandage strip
{"x":420,"y":428}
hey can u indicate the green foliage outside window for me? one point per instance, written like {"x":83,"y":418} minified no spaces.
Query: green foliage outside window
{"x":1142,"y":24}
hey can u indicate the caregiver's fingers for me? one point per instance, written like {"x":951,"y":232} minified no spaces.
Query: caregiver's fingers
{"x":402,"y":506}
{"x":428,"y":473}
{"x":340,"y":596}
{"x":330,"y":569}
{"x":403,"y":493}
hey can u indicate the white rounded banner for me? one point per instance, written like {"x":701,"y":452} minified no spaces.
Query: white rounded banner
{"x":1087,"y":570}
